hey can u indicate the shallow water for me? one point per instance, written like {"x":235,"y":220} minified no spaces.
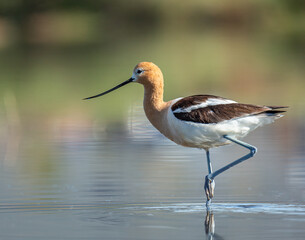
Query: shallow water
{"x":74,"y":181}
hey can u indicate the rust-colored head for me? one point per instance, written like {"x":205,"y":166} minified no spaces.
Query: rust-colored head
{"x":148,"y":74}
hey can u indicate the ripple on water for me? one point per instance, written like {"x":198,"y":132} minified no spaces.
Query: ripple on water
{"x":267,"y":208}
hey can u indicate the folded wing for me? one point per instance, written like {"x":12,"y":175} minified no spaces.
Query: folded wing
{"x":208,"y":109}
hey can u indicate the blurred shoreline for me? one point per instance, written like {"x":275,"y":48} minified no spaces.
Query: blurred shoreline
{"x":54,"y":53}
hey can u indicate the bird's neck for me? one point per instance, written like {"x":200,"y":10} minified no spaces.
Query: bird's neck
{"x":156,"y":109}
{"x":153,"y":104}
{"x":153,"y":97}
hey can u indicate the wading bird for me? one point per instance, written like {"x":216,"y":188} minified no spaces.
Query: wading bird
{"x":199,"y":121}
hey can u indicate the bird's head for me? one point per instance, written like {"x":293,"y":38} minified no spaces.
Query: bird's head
{"x":145,"y":73}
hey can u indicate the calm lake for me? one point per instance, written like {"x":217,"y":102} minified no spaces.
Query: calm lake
{"x":75,"y":180}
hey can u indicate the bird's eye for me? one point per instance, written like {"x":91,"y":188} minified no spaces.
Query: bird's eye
{"x":139,"y":71}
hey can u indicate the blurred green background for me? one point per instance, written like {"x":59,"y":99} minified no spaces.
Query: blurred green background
{"x":54,"y":53}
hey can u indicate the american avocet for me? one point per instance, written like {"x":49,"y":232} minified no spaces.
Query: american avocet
{"x":199,"y":121}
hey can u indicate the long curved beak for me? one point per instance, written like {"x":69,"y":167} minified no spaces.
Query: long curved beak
{"x":112,"y":89}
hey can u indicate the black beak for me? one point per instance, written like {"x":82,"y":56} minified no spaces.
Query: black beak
{"x":112,"y":89}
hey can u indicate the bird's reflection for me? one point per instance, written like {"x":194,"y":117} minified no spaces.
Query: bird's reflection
{"x":209,"y":225}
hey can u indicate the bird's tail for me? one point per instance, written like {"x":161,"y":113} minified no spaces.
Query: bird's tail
{"x":275,"y":110}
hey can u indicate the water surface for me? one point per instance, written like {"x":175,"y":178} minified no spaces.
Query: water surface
{"x":91,"y":181}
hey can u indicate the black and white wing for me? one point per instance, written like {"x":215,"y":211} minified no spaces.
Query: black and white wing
{"x":209,"y":109}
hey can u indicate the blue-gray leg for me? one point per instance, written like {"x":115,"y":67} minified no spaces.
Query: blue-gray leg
{"x":209,"y":179}
{"x":209,"y":184}
{"x":252,"y":149}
